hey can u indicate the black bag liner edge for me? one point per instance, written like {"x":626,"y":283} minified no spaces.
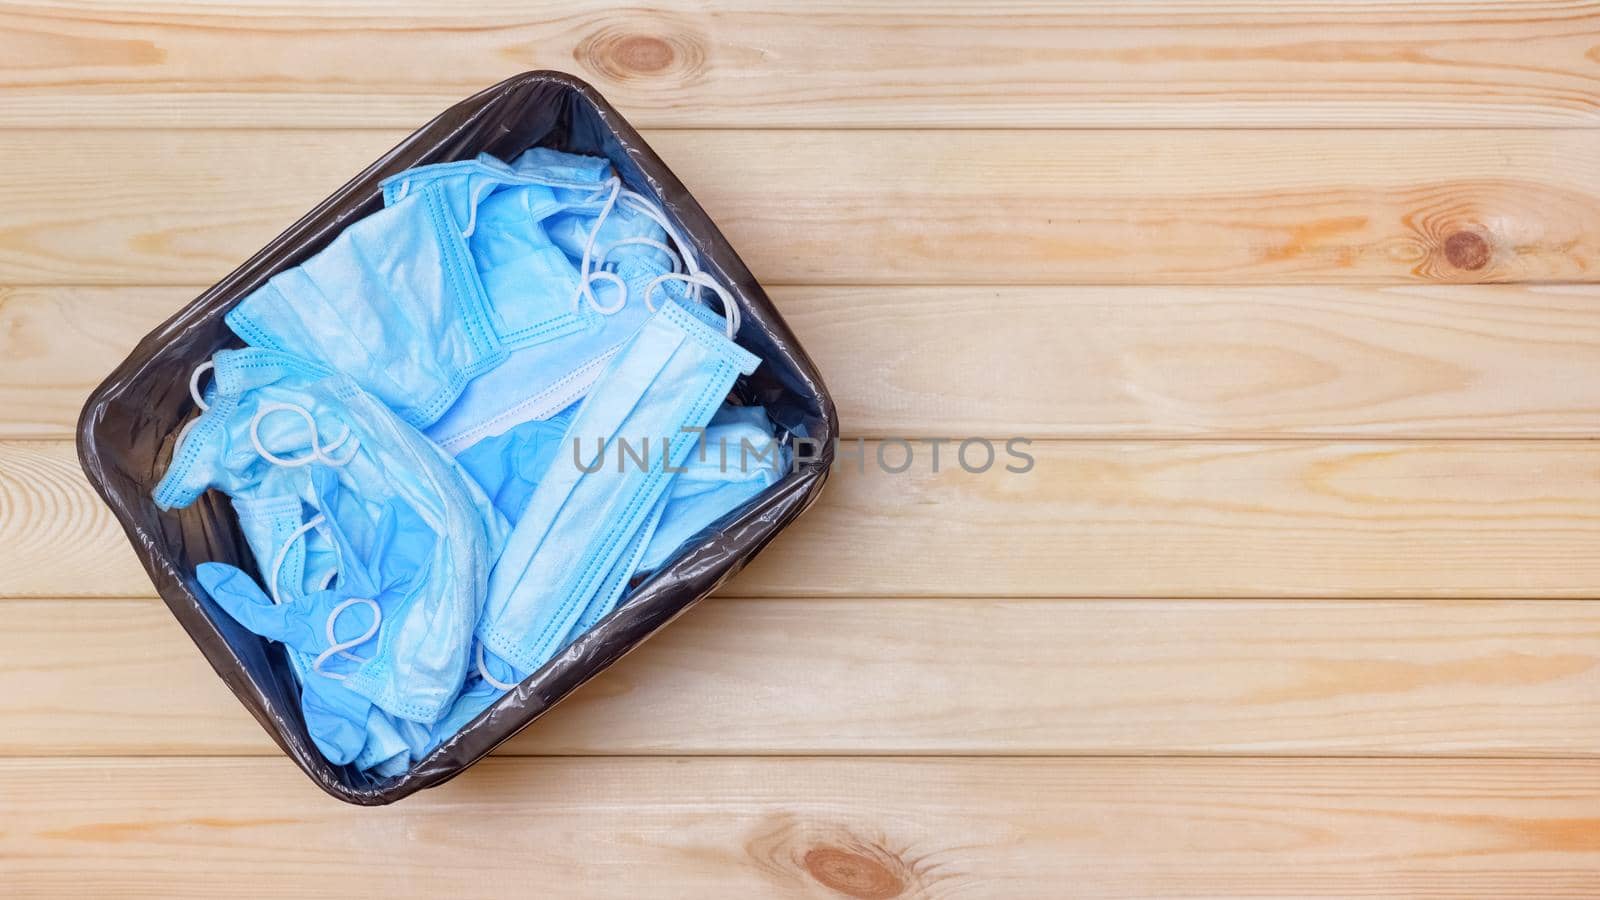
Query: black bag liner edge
{"x":127,"y":426}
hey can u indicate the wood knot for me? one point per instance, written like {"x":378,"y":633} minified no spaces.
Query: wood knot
{"x":642,"y":53}
{"x":658,"y":52}
{"x":1466,"y":250}
{"x":853,"y":874}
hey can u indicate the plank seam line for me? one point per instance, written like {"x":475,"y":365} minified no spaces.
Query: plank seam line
{"x":1553,"y":597}
{"x":1244,"y":438}
{"x":1040,"y":599}
{"x":1255,"y":286}
{"x":1117,"y":757}
{"x":1157,"y":285}
{"x":649,"y":129}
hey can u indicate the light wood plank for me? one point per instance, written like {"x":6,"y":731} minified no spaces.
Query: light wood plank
{"x":55,"y":530}
{"x":915,"y":676}
{"x":867,"y":828}
{"x":896,"y":207}
{"x":1208,"y":520}
{"x":1451,"y":361}
{"x":736,"y":65}
{"x":1473,"y":361}
{"x":1092,"y":519}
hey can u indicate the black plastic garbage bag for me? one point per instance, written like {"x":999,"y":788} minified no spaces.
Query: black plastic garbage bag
{"x":128,"y":425}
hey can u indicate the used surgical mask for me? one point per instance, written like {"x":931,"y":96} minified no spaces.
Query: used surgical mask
{"x":459,"y":262}
{"x":276,"y":427}
{"x":572,"y":545}
{"x":617,"y":242}
{"x":736,"y":459}
{"x":329,"y":631}
{"x":509,"y":466}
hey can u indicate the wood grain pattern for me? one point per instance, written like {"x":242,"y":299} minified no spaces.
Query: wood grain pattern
{"x":1210,"y":520}
{"x":55,"y":530}
{"x":916,"y":677}
{"x":1309,"y":488}
{"x":863,"y":828}
{"x":1452,"y":361}
{"x":896,"y":207}
{"x":704,"y":64}
{"x":1092,"y":519}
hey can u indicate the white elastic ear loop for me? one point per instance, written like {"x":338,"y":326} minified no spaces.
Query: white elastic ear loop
{"x":199,"y":402}
{"x":484,"y":671}
{"x":183,"y":435}
{"x":319,"y":453}
{"x":585,"y":273}
{"x":194,"y":384}
{"x":622,"y":292}
{"x":472,"y":204}
{"x":640,"y":203}
{"x":730,"y":310}
{"x":339,"y":647}
{"x":283,"y":554}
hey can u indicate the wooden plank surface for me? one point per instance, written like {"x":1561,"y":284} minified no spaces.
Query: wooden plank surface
{"x":864,"y":828}
{"x":919,"y":676}
{"x":1451,"y":361}
{"x":1297,"y":599}
{"x":1092,"y":519}
{"x":896,"y":207}
{"x":866,"y":63}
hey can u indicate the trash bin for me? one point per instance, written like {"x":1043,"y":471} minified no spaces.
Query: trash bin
{"x":129,"y":423}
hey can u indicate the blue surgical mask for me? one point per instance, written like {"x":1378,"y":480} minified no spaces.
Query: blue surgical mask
{"x":385,"y":750}
{"x":444,"y":266}
{"x":394,"y":281}
{"x":736,"y":459}
{"x":275,"y":426}
{"x":616,"y":581}
{"x":517,"y":321}
{"x":509,"y":466}
{"x":579,"y":525}
{"x":616,"y":242}
{"x":325,"y":631}
{"x":283,"y":541}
